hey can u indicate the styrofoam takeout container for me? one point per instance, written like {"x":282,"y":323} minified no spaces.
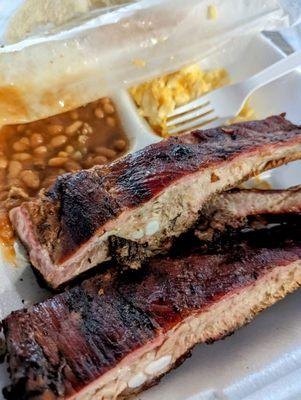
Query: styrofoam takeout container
{"x":261,"y":361}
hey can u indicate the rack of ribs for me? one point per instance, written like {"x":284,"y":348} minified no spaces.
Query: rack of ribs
{"x":145,"y":199}
{"x":246,"y":208}
{"x":118,"y":333}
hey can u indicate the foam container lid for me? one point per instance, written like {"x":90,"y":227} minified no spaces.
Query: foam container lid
{"x":263,"y":360}
{"x":86,"y":59}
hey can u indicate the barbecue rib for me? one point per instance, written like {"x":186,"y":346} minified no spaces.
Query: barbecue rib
{"x":146,"y":198}
{"x":234,"y":208}
{"x":117,"y":335}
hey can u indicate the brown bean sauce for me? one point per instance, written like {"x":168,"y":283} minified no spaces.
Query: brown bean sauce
{"x":32,"y":155}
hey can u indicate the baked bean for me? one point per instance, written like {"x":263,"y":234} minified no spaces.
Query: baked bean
{"x":119,"y":144}
{"x":111,"y":122}
{"x":55,"y":129}
{"x":87,"y":129}
{"x":77,"y":155}
{"x":36,"y":139}
{"x":72,"y":166}
{"x":40,"y":151}
{"x":14,"y":168}
{"x":62,"y":154}
{"x":105,"y":100}
{"x":58,"y":141}
{"x":99,"y":113}
{"x":73,"y":128}
{"x":3,"y":162}
{"x":82,"y":139}
{"x":17,"y":146}
{"x":20,"y":145}
{"x":57,"y":161}
{"x":104,"y":151}
{"x":30,"y":178}
{"x":25,"y":140}
{"x":108,"y":108}
{"x":99,"y":160}
{"x":88,"y":163}
{"x":69,"y":149}
{"x":38,"y":164}
{"x":21,"y":156}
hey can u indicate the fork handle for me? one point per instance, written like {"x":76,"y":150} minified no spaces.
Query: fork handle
{"x":273,"y":72}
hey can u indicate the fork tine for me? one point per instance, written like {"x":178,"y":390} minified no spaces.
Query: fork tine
{"x":197,"y":112}
{"x":189,"y":106}
{"x":193,"y":124}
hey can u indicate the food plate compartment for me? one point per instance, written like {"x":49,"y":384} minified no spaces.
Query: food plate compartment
{"x":258,"y":55}
{"x":261,"y":361}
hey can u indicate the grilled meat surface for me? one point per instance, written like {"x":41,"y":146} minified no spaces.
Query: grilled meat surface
{"x":118,"y":333}
{"x":147,"y":198}
{"x":234,"y":208}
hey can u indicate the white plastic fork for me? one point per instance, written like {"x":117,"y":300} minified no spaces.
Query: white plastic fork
{"x":220,"y":105}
